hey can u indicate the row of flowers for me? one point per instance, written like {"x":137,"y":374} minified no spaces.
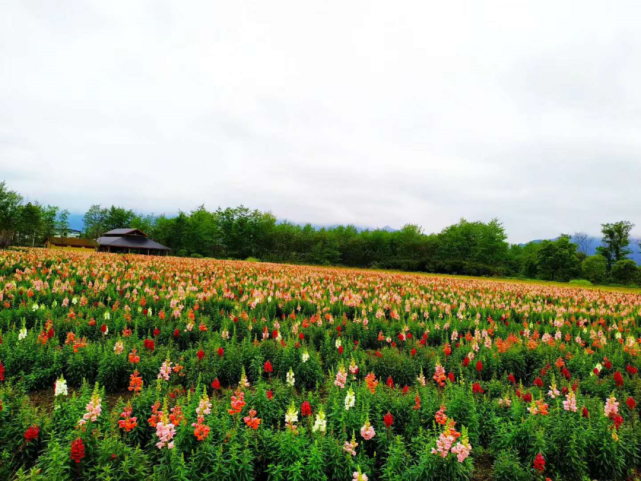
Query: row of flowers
{"x":238,"y":370}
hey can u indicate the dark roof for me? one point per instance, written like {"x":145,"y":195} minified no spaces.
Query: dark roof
{"x":72,"y":242}
{"x":131,"y":242}
{"x":126,"y":231}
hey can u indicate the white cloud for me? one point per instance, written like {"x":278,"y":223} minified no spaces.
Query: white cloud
{"x":375,"y":113}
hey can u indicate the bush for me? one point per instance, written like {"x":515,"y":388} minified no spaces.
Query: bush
{"x":594,"y":268}
{"x":625,"y":271}
{"x":580,"y":282}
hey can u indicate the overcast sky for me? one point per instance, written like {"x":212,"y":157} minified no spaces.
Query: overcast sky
{"x":372,"y":113}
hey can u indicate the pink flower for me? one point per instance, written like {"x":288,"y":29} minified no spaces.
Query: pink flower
{"x":341,"y":378}
{"x":165,"y":433}
{"x":611,"y":408}
{"x":570,"y":402}
{"x":462,"y":451}
{"x":350,"y":447}
{"x":443,"y":444}
{"x":94,"y":408}
{"x":367,"y":431}
{"x":165,"y":370}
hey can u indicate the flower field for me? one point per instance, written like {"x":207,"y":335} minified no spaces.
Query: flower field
{"x":131,"y":367}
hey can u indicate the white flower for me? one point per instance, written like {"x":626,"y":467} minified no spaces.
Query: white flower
{"x":305,"y":357}
{"x":338,"y":343}
{"x":149,"y":312}
{"x":290,"y":377}
{"x":107,"y":316}
{"x":22,"y":334}
{"x":320,"y":424}
{"x":350,"y":399}
{"x":617,"y":335}
{"x":60,"y":387}
{"x":34,"y":308}
{"x":74,"y":301}
{"x":292,"y":415}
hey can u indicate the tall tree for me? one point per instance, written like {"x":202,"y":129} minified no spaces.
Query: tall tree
{"x":62,"y":223}
{"x":616,"y":239}
{"x":557,"y":260}
{"x":10,"y":203}
{"x":584,"y":241}
{"x":94,"y":221}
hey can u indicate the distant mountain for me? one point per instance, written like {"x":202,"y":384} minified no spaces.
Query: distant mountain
{"x":594,"y":242}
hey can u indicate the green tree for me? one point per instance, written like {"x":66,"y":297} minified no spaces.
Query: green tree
{"x":595,"y":269}
{"x":625,"y":271}
{"x":557,"y":260}
{"x":616,"y":239}
{"x":10,"y":203}
{"x":94,"y":221}
{"x":62,"y":223}
{"x":30,"y":224}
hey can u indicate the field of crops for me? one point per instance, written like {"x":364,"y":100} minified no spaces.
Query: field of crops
{"x":131,"y":367}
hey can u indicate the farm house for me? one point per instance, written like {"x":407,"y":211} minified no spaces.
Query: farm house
{"x":132,"y":241}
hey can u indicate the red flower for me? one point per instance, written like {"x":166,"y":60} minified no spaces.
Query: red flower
{"x":538,"y":382}
{"x":466,"y":361}
{"x":618,"y":379}
{"x":216,"y":384}
{"x":607,"y":363}
{"x":511,"y":378}
{"x":157,"y":332}
{"x":585,"y":413}
{"x":388,"y":419}
{"x":177,"y":333}
{"x":631,"y":403}
{"x":340,"y":349}
{"x":390,"y":382}
{"x":539,"y":462}
{"x":479,"y":366}
{"x":566,"y":373}
{"x":618,"y":421}
{"x":306,"y":409}
{"x":476,"y":388}
{"x":270,"y":395}
{"x":451,"y":377}
{"x":268,"y":367}
{"x":150,"y":344}
{"x":527,"y":397}
{"x":200,"y":354}
{"x":631,"y":370}
{"x":221,"y":352}
{"x":406,"y":389}
{"x":32,"y":433}
{"x":413,"y":352}
{"x":1,"y":372}
{"x":77,"y":450}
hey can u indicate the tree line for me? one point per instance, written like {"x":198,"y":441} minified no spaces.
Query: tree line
{"x":470,"y":248}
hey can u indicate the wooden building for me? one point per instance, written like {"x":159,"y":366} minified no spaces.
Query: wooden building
{"x":132,"y":241}
{"x":71,"y":243}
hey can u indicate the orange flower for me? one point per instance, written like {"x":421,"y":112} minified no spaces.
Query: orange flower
{"x":252,"y":421}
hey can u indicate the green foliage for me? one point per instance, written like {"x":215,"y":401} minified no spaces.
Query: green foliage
{"x":595,"y":268}
{"x":625,"y":272}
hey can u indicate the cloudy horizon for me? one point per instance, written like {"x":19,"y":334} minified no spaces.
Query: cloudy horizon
{"x":367,"y":113}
